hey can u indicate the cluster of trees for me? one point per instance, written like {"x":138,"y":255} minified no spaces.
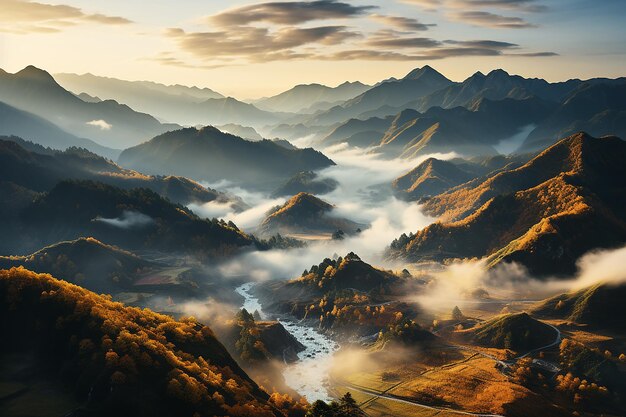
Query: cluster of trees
{"x":588,"y":377}
{"x":278,"y":241}
{"x":401,"y":241}
{"x":345,"y":407}
{"x":590,"y":364}
{"x":249,"y":346}
{"x":128,"y":360}
{"x":404,"y":331}
{"x":350,"y":308}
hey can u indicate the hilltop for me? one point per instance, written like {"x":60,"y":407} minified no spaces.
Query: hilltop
{"x":431,"y":177}
{"x":306,"y":182}
{"x":86,"y":262}
{"x":305,"y":213}
{"x":518,"y":332}
{"x":543,"y":215}
{"x":210,"y":155}
{"x":107,"y":359}
{"x":600,"y":306}
{"x":343,"y":294}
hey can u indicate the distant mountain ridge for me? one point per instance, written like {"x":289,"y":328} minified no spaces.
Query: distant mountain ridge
{"x":417,"y":83}
{"x":303,"y":96}
{"x":107,"y":122}
{"x":173,"y":103}
{"x":154,"y":98}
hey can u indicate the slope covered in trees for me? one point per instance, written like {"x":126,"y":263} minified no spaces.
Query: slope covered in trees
{"x":39,"y":169}
{"x":119,"y":360}
{"x":344,"y":294}
{"x":210,"y":155}
{"x":133,"y":219}
{"x":544,"y":215}
{"x":431,"y":177}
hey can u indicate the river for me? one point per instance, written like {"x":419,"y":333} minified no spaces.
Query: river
{"x":309,"y":375}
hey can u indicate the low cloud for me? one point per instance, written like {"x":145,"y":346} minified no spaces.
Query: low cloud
{"x":102,"y":124}
{"x":363,"y":196}
{"x":455,"y":283}
{"x":127,"y":220}
{"x":22,"y":17}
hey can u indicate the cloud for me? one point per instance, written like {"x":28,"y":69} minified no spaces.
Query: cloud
{"x":127,"y":220}
{"x":604,"y":266}
{"x":102,"y":124}
{"x":460,"y":49}
{"x":22,"y":16}
{"x":288,"y":13}
{"x":454,"y":284}
{"x":258,"y":44}
{"x":396,"y":42}
{"x":402,"y":23}
{"x":490,"y":20}
{"x":269,"y":32}
{"x":520,"y":5}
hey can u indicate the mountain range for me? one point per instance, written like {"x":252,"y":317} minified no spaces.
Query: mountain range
{"x":174,"y":103}
{"x":543,"y":215}
{"x":311,"y":97}
{"x":132,"y":219}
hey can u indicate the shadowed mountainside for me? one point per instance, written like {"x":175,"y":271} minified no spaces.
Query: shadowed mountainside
{"x":39,"y":169}
{"x":600,"y":306}
{"x":210,"y":155}
{"x":86,"y":262}
{"x":116,"y":360}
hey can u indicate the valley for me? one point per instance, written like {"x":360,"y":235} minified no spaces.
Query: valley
{"x":312,"y":208}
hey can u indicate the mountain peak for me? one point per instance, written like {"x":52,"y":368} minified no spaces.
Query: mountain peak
{"x":498,"y":73}
{"x":33,"y":73}
{"x":424,"y":72}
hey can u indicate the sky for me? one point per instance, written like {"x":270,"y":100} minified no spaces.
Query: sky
{"x":250,"y":49}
